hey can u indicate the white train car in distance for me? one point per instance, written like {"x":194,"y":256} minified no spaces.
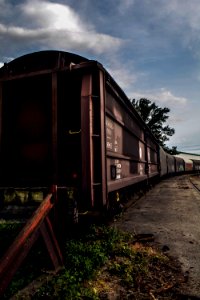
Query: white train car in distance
{"x":192,"y":161}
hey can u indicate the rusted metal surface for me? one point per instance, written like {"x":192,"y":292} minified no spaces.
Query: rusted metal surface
{"x":1,"y":100}
{"x":162,"y":162}
{"x":17,"y":252}
{"x":12,"y":261}
{"x":122,"y":111}
{"x":119,"y":184}
{"x":112,"y":133}
{"x":152,"y":150}
{"x":26,"y":136}
{"x":94,"y":184}
{"x":86,"y":139}
{"x":126,"y":146}
{"x":167,"y":163}
{"x":103,"y":138}
{"x":54,"y":127}
{"x":51,"y":243}
{"x":170,"y":164}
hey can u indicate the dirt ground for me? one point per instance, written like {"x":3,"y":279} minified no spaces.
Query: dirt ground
{"x":171,"y":212}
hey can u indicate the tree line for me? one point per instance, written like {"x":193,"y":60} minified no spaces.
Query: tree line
{"x":155,"y":118}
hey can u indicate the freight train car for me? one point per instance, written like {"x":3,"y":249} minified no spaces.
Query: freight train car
{"x":192,"y":161}
{"x":65,"y":122}
{"x":166,"y":162}
{"x":179,"y":165}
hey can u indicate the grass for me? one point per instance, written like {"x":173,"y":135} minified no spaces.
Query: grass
{"x":100,"y":263}
{"x":8,"y":231}
{"x":106,"y":262}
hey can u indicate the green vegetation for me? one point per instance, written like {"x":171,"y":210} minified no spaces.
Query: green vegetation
{"x":155,"y":117}
{"x":84,"y":257}
{"x":106,"y":261}
{"x":8,"y":231}
{"x":100,"y":262}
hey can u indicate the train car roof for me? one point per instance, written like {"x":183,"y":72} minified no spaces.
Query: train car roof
{"x":55,"y":60}
{"x":36,"y":61}
{"x":190,"y":156}
{"x":187,"y":160}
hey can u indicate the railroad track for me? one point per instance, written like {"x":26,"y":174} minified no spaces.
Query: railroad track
{"x":195,"y":181}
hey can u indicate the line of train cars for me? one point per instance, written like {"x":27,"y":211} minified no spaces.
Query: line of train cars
{"x":177,"y":164}
{"x":64,"y":121}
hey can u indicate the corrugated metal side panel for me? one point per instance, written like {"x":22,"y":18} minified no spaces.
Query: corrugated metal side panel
{"x":163,"y":162}
{"x":125,"y":145}
{"x":152,"y":157}
{"x":94,"y":184}
{"x":103,"y":138}
{"x":180,"y":164}
{"x":196,"y":164}
{"x":1,"y":112}
{"x":170,"y":164}
{"x":86,"y":140}
{"x":192,"y":161}
{"x":26,"y":152}
{"x":188,"y":165}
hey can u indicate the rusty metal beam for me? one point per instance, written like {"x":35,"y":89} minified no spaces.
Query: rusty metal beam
{"x":25,"y":75}
{"x":25,"y":233}
{"x":103,"y":138}
{"x":12,"y":266}
{"x":86,"y":138}
{"x":24,"y":241}
{"x":1,"y":105}
{"x":54,"y":127}
{"x":51,"y":243}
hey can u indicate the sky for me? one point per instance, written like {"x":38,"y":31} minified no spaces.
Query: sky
{"x":150,"y":47}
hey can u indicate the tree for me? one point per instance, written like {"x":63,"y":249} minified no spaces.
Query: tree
{"x":172,"y":151}
{"x":155,"y":117}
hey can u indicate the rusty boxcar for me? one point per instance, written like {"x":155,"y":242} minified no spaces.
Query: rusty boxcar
{"x":66,"y":122}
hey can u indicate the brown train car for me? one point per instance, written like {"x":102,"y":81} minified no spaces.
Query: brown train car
{"x":65,"y":122}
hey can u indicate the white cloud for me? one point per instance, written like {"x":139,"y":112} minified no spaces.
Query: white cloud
{"x":123,"y":75}
{"x":53,"y":16}
{"x":162,"y":97}
{"x":54,"y":25}
{"x":165,"y":98}
{"x":183,"y":21}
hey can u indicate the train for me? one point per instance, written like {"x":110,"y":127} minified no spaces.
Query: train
{"x":179,"y":163}
{"x":65,"y":122}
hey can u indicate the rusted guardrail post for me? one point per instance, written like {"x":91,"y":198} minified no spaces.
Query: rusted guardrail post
{"x":38,"y":224}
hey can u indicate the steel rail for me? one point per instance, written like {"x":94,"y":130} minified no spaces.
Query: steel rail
{"x":194,"y":184}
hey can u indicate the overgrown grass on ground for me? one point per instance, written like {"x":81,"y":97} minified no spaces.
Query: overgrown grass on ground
{"x":99,"y":263}
{"x":106,"y":262}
